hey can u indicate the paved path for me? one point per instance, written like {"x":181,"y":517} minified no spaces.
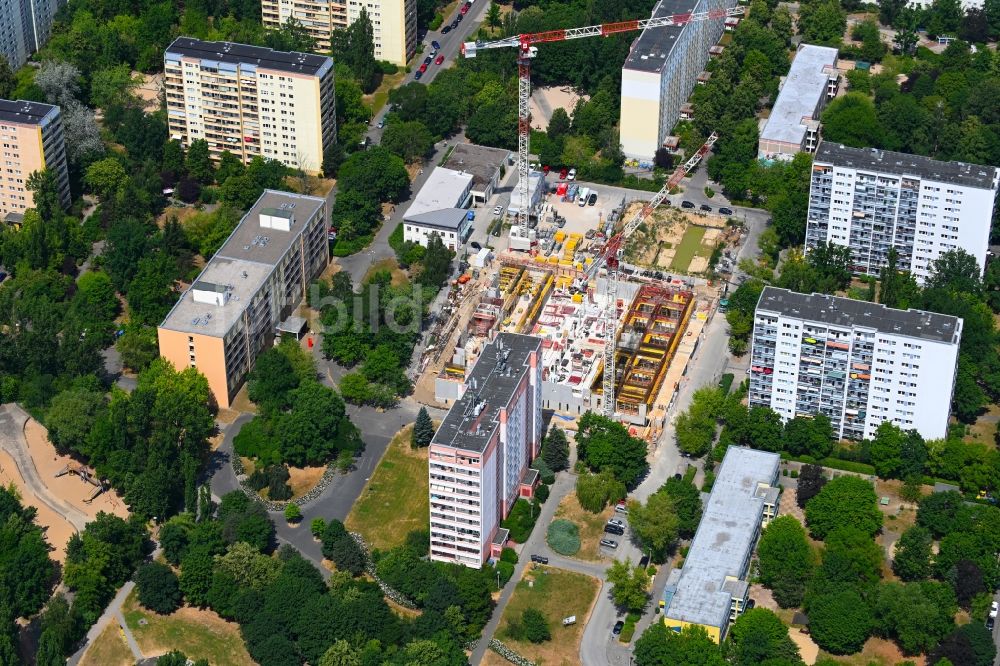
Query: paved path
{"x":12,"y":421}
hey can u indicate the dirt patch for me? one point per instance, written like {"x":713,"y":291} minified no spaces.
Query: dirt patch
{"x":181,"y":213}
{"x":591,"y":526}
{"x":876,"y":651}
{"x":303,"y":479}
{"x":546,"y":100}
{"x":109,"y":649}
{"x":787,"y":506}
{"x":57,"y":529}
{"x":241,"y":404}
{"x":149,"y":91}
{"x":677,"y":240}
{"x":985,"y":428}
{"x":807,"y":647}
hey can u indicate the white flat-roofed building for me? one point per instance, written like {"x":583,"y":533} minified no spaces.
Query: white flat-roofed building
{"x":439,"y":208}
{"x":479,"y":456}
{"x":793,"y":126}
{"x":661,"y":71}
{"x":712,"y":588}
{"x":871,"y":200}
{"x":859,"y":363}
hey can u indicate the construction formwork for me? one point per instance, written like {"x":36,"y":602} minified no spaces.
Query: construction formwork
{"x":524,"y":289}
{"x":651,"y":329}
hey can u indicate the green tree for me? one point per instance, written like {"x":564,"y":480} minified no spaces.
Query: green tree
{"x":535,"y":626}
{"x":293,"y":514}
{"x":72,"y":416}
{"x":809,"y":436}
{"x":759,"y":635}
{"x":812,"y":478}
{"x":785,"y":560}
{"x":158,"y":588}
{"x":114,"y":86}
{"x":844,"y":501}
{"x":912,"y":559}
{"x":555,"y":449}
{"x":915,"y":619}
{"x":956,"y":271}
{"x":107,"y":178}
{"x":7,"y":80}
{"x":196,"y":576}
{"x":594,"y":491}
{"x":654,"y":524}
{"x":852,"y":120}
{"x":605,"y":445}
{"x":970,"y":644}
{"x":840,"y":622}
{"x":376,"y":173}
{"x":355,"y":47}
{"x":559,"y":123}
{"x":340,"y":654}
{"x":822,"y":21}
{"x":851,"y":557}
{"x":660,"y":646}
{"x":686,"y":500}
{"x":423,"y":430}
{"x":630,"y":585}
{"x":248,"y":566}
{"x":199,"y":162}
{"x":410,"y":140}
{"x":26,"y":571}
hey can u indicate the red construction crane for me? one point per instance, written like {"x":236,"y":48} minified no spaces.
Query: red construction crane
{"x":613,"y":249}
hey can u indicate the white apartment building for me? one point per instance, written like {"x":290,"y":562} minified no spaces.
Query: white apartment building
{"x":394,"y":22}
{"x":479,"y":457}
{"x":871,"y":200}
{"x":439,"y":208}
{"x":793,"y":126}
{"x":859,"y":363}
{"x":33,"y":140}
{"x":661,"y":71}
{"x":251,"y":101}
{"x":25,"y":26}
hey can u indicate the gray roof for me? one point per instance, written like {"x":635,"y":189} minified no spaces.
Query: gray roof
{"x":649,"y":52}
{"x":445,"y":218}
{"x":475,"y":417}
{"x":725,"y":538}
{"x":903,"y":164}
{"x":482,"y":162}
{"x":259,"y":56}
{"x":26,"y":113}
{"x":800,"y":95}
{"x":849,"y":313}
{"x":444,"y":188}
{"x":242,"y":265}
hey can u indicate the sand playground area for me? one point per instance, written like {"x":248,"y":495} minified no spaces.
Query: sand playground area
{"x":61,"y":502}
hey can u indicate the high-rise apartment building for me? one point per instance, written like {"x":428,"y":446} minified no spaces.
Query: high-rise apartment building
{"x":33,"y":140}
{"x":233,"y":310}
{"x":251,"y":101}
{"x":859,"y":363}
{"x":394,"y":22}
{"x":660,"y":72}
{"x":479,"y":457}
{"x":871,"y":200}
{"x":25,"y":26}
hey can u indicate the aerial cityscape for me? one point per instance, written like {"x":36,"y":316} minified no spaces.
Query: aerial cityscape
{"x":533,"y":332}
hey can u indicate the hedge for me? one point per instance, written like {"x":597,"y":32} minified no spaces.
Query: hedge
{"x":345,"y":248}
{"x":726,"y":382}
{"x":563,"y":537}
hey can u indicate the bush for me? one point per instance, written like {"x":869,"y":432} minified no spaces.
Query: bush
{"x":535,"y":626}
{"x":542,"y":493}
{"x":387,"y":67}
{"x":521,"y":520}
{"x":158,"y":588}
{"x":795,"y":474}
{"x":293,"y":513}
{"x":563,"y":537}
{"x":545,"y":473}
{"x":506,"y":570}
{"x":436,"y":22}
{"x":706,"y":487}
{"x":508,"y":555}
{"x":726,"y":382}
{"x":317,"y":527}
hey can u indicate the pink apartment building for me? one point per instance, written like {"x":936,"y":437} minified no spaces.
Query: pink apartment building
{"x":480,"y":454}
{"x":33,"y":140}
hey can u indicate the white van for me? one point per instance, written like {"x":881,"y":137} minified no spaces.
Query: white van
{"x":584,"y":195}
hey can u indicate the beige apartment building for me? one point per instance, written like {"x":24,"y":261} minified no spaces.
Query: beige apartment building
{"x":33,"y":140}
{"x":394,"y":22}
{"x":248,"y":292}
{"x":251,"y":101}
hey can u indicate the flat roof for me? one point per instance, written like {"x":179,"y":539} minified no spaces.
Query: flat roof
{"x":475,"y":417}
{"x":650,"y":50}
{"x":848,"y":313}
{"x":800,"y":94}
{"x":903,"y":164}
{"x":726,"y":535}
{"x":24,"y":112}
{"x":481,"y":161}
{"x":442,"y":189}
{"x":241,"y":266}
{"x":445,"y":218}
{"x":233,"y":53}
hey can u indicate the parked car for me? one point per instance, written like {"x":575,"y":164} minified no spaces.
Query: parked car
{"x":423,"y":68}
{"x":619,"y":625}
{"x":571,"y":175}
{"x":381,"y":123}
{"x":562,"y":173}
{"x":445,"y":30}
{"x":541,"y":559}
{"x":593,"y":199}
{"x":475,"y":245}
{"x":706,"y":208}
{"x":994,"y":608}
{"x":428,"y":60}
{"x":435,"y":44}
{"x":644,"y":561}
{"x":621,"y":507}
{"x":3,"y":276}
{"x":618,"y":522}
{"x":498,"y":211}
{"x":417,"y":74}
{"x":614,"y":529}
{"x":465,"y":9}
{"x":687,"y":204}
{"x":609,"y":543}
{"x":725,"y":211}
{"x":989,"y":623}
{"x":440,"y":59}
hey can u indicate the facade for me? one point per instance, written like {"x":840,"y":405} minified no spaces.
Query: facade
{"x":25,"y":26}
{"x":394,"y":22}
{"x":232,"y":311}
{"x":479,"y":457}
{"x":251,"y":101}
{"x":33,"y":140}
{"x":859,"y":363}
{"x":439,"y":208}
{"x":793,"y":126}
{"x":660,"y":72}
{"x":536,"y":189}
{"x":483,"y":163}
{"x":711,"y":590}
{"x":871,"y":200}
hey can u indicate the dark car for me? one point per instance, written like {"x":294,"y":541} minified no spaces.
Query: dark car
{"x":989,"y":623}
{"x":428,"y":60}
{"x":644,"y":561}
{"x":435,"y":44}
{"x":619,"y":625}
{"x":687,"y":204}
{"x":706,"y":208}
{"x":454,"y":24}
{"x":475,"y":245}
{"x":541,"y":559}
{"x":445,"y":30}
{"x":417,"y":75}
{"x":593,"y":199}
{"x":725,"y":211}
{"x":751,"y":604}
{"x":614,"y":529}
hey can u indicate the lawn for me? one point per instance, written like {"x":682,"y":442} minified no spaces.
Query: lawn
{"x":109,"y":649}
{"x":399,"y":277}
{"x":379,"y":515}
{"x":377,"y":99}
{"x":557,"y":594}
{"x":591,"y":526}
{"x":688,"y":247}
{"x":199,"y":634}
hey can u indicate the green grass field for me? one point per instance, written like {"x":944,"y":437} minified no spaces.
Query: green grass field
{"x":379,"y":515}
{"x":199,"y":634}
{"x":689,"y":246}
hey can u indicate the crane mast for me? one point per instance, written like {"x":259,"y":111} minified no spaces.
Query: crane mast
{"x":613,"y":250}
